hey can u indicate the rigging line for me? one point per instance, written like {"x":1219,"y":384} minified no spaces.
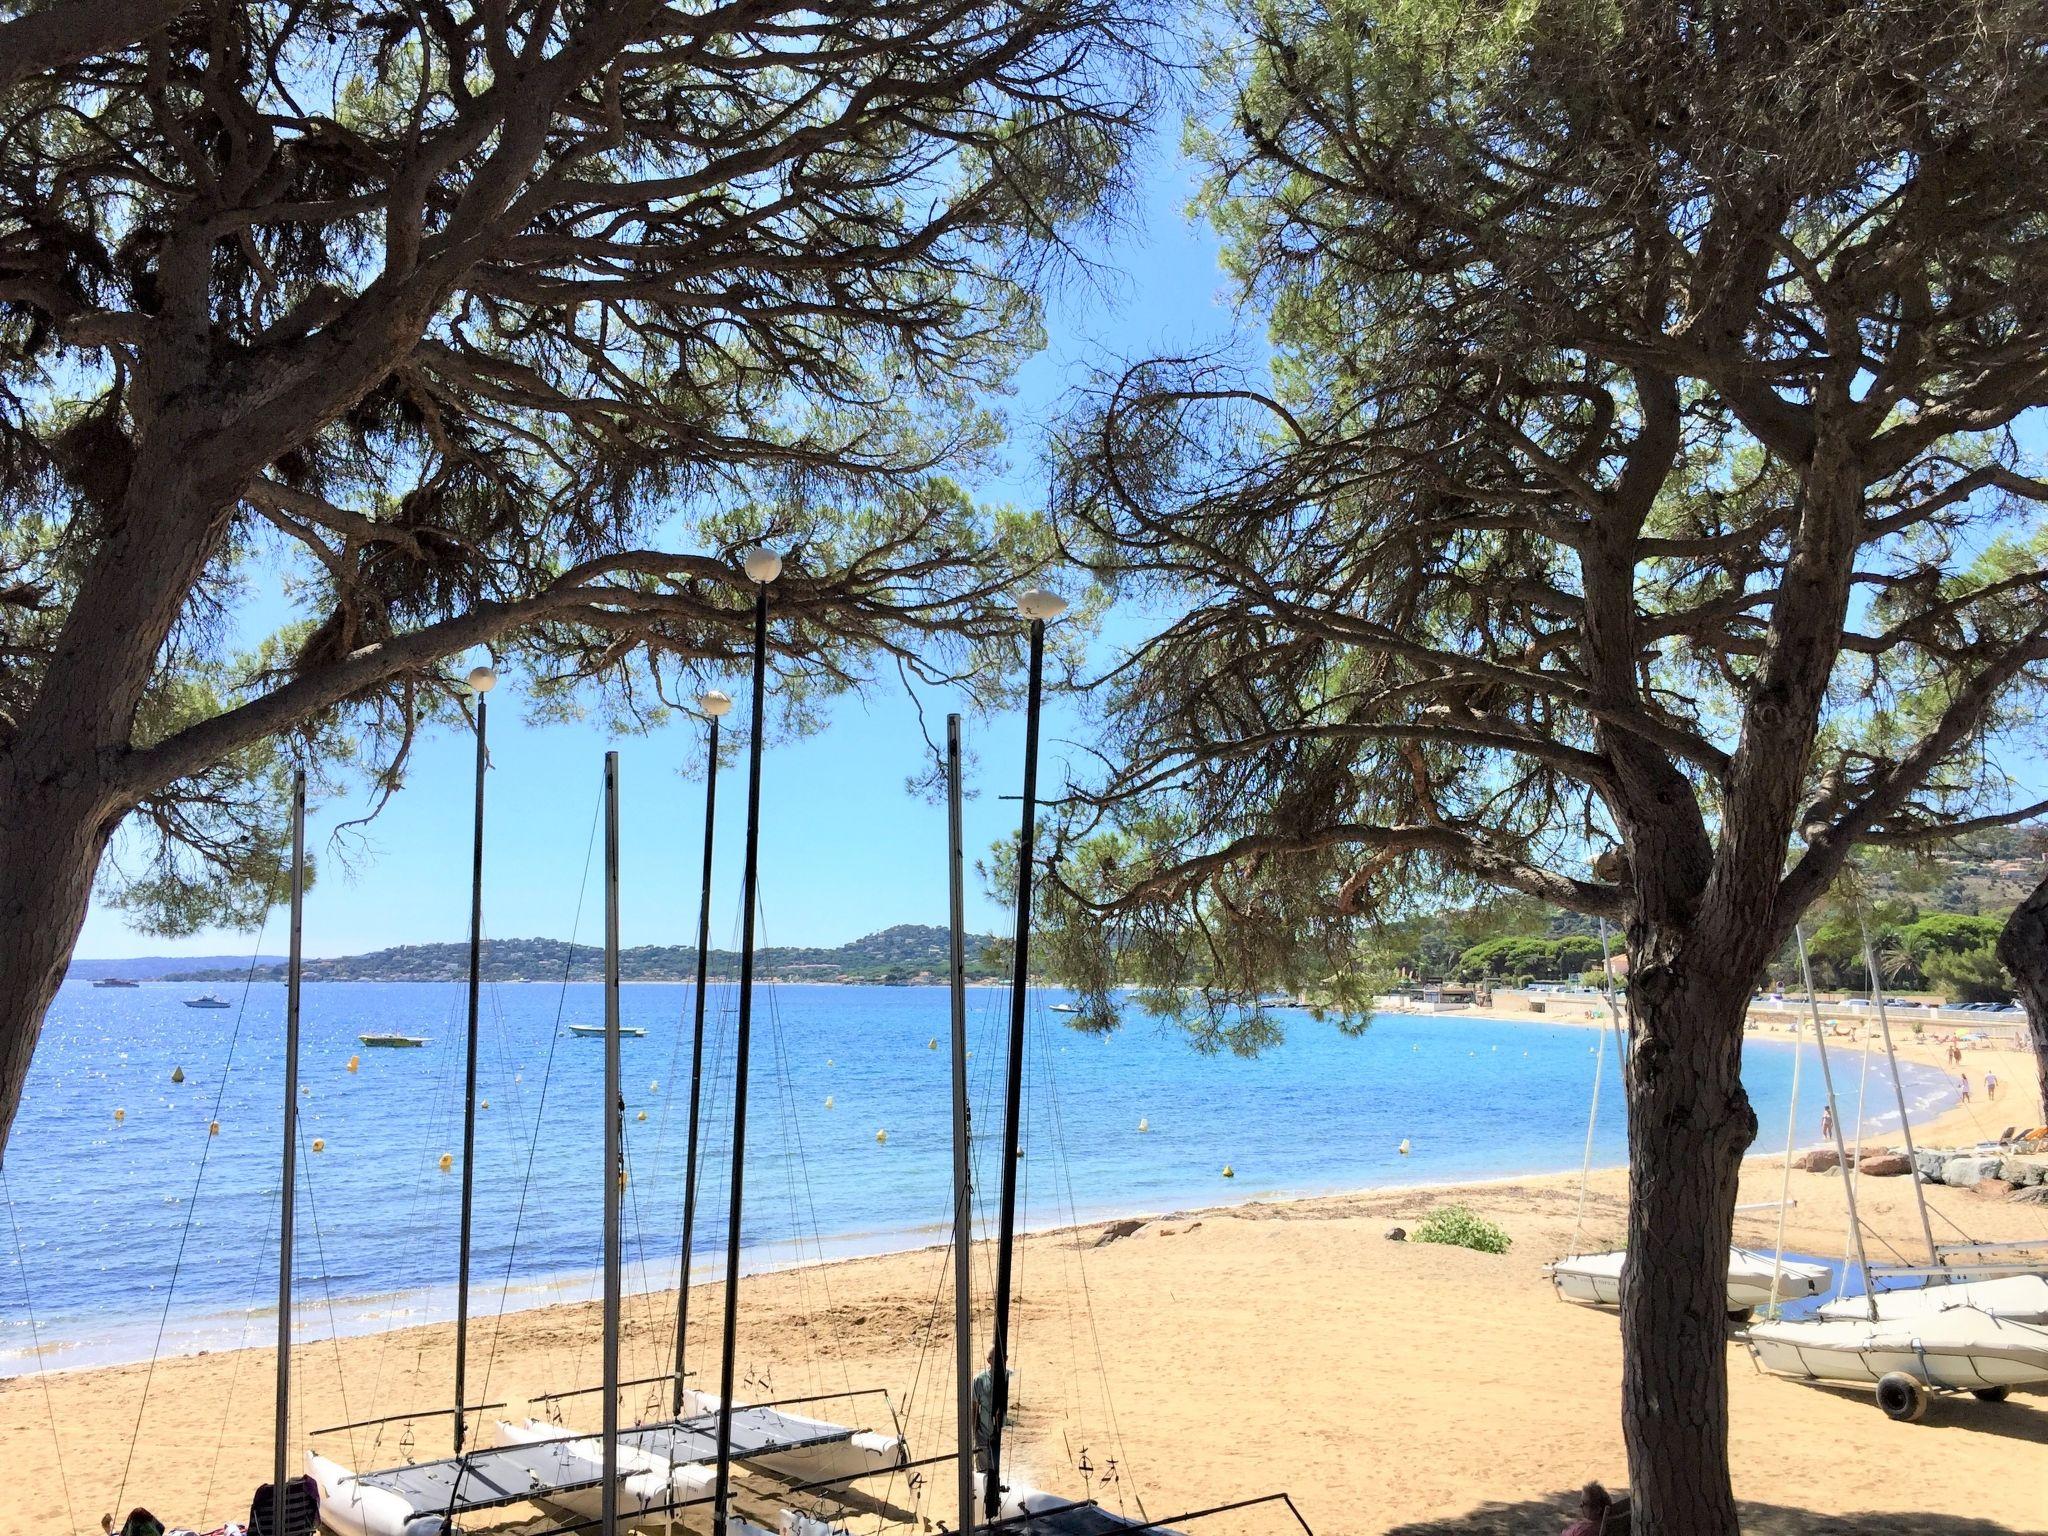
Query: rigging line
{"x":541,"y":1105}
{"x":327,"y":1290}
{"x":191,"y":1204}
{"x":1065,"y":1169}
{"x":36,"y":1345}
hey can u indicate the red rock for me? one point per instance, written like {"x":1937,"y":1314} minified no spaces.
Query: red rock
{"x":1886,"y":1165}
{"x":1996,"y":1189}
{"x":1821,"y":1160}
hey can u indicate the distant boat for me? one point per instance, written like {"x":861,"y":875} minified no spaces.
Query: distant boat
{"x":1066,"y":1008}
{"x":207,"y":1001}
{"x":597,"y":1031}
{"x":116,"y":981}
{"x":394,"y":1041}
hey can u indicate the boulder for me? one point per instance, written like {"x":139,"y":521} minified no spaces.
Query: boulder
{"x":1886,"y":1165}
{"x":2036,"y":1194}
{"x":1397,"y":1234}
{"x":1967,"y":1172}
{"x":1995,"y":1189}
{"x":1821,"y":1160}
{"x":2021,"y":1172}
{"x":1932,"y":1165}
{"x":1117,"y":1229}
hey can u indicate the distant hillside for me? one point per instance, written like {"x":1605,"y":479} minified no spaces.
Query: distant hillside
{"x":163,"y":967}
{"x":907,"y":953}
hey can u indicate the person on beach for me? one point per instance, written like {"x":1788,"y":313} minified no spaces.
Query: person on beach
{"x":1990,"y":1085}
{"x":1827,"y":1122}
{"x":1596,"y":1506}
{"x":985,"y":1412}
{"x":1963,"y":1083}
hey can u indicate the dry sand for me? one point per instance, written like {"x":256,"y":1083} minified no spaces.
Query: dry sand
{"x":1210,"y":1356}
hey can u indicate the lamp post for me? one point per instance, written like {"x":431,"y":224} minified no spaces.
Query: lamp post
{"x":762,"y":567}
{"x":1038,"y":606}
{"x":481,"y":681}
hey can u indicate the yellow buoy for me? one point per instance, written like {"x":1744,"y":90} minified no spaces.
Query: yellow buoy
{"x":213,"y":1127}
{"x":1229,"y":1172}
{"x":1403,"y":1148}
{"x":447,"y":1161}
{"x":828,"y":1101}
{"x":828,"y":1061}
{"x":120,"y":1115}
{"x":881,"y":1136}
{"x":932,"y":1044}
{"x":485,"y":1104}
{"x":177,"y":1074}
{"x":354,"y":1062}
{"x":319,"y":1145}
{"x":642,"y":1115}
{"x":1144,"y":1125}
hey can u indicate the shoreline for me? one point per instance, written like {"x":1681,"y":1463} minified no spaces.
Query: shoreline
{"x":128,"y":1341}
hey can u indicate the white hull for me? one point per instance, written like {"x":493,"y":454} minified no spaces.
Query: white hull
{"x":1594,"y":1279}
{"x":347,"y":1508}
{"x":1020,"y":1500}
{"x":864,"y":1452}
{"x":1960,"y":1349}
{"x":2011,"y":1298}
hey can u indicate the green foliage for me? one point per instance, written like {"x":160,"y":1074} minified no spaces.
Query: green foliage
{"x":1969,"y":976}
{"x":1461,"y":1227}
{"x":1526,"y":957}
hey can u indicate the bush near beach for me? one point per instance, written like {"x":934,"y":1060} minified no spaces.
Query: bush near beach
{"x":1461,"y":1227}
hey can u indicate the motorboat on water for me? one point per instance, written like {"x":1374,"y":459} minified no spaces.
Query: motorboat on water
{"x":597,"y":1031}
{"x":1594,"y":1279}
{"x":393,"y":1041}
{"x":2010,"y":1298}
{"x":207,"y":1000}
{"x":1956,"y":1349}
{"x":116,"y":981}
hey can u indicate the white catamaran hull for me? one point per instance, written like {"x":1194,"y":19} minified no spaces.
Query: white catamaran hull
{"x":863,"y":1452}
{"x":1037,"y":1513}
{"x":349,"y":1508}
{"x":1960,"y":1350}
{"x":1594,"y":1279}
{"x":2010,"y":1298}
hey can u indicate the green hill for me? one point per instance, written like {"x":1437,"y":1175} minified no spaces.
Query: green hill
{"x":909,"y":952}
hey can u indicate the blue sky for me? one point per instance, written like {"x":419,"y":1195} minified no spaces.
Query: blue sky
{"x":845,"y":849}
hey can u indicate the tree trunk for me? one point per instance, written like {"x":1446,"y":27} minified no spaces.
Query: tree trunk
{"x":2023,"y":950}
{"x":1689,"y":1123}
{"x":50,"y":848}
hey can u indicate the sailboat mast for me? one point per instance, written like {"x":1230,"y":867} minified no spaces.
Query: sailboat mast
{"x":762,"y":566}
{"x":481,"y":681}
{"x":1884,"y":1024}
{"x":614,"y":1166}
{"x":1038,"y":607}
{"x":963,"y":1202}
{"x":714,"y":704}
{"x":291,"y":1150}
{"x":1827,"y":1076}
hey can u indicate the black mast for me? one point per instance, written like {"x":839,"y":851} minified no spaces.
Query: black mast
{"x":285,"y":1226}
{"x":481,"y":681}
{"x":714,"y":704}
{"x":1038,"y":607}
{"x":762,"y":566}
{"x":963,"y":1198}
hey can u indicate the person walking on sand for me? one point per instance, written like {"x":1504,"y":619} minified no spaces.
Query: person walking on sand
{"x":1963,"y":1082}
{"x":1991,"y":1085}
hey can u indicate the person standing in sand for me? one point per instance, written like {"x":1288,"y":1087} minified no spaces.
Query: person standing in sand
{"x":985,"y":1411}
{"x":1827,"y":1122}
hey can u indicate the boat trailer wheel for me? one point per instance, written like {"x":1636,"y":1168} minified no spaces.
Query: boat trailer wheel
{"x":1901,"y":1397}
{"x":1991,"y":1394}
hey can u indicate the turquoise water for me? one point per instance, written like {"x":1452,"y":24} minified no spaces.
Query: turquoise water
{"x":102,"y":1206}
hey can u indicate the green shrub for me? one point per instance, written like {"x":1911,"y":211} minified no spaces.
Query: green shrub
{"x":1461,"y":1228}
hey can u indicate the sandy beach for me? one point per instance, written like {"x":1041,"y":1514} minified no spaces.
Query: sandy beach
{"x":1211,"y":1355}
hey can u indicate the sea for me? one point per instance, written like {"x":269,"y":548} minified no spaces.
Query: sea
{"x":143,"y":1176}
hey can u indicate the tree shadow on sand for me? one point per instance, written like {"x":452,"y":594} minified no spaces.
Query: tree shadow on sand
{"x":1548,"y":1516}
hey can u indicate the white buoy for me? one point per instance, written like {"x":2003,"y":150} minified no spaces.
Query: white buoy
{"x":881,"y":1136}
{"x":654,"y":1085}
{"x":828,"y":1101}
{"x":1144,"y":1125}
{"x":1403,"y":1148}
